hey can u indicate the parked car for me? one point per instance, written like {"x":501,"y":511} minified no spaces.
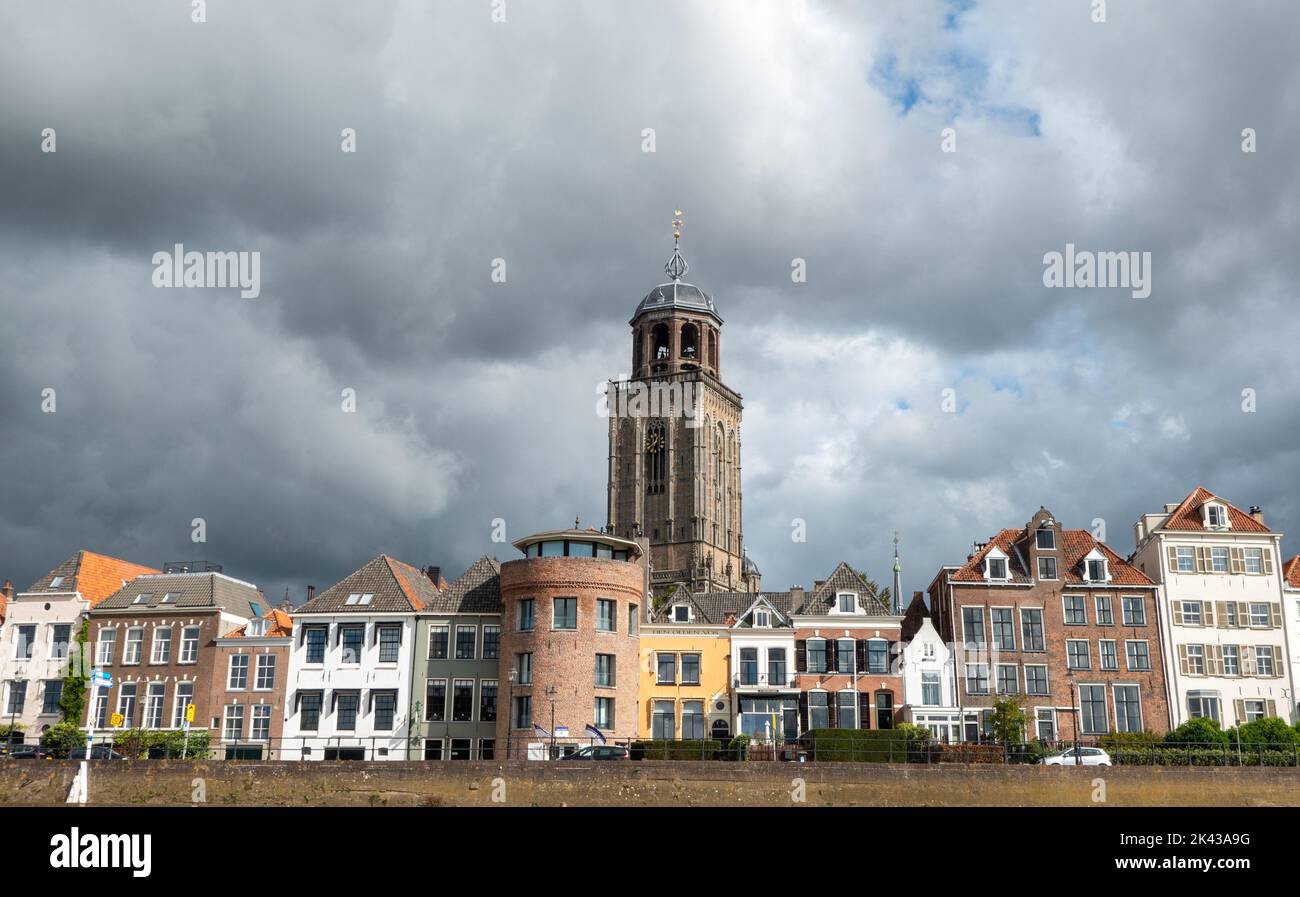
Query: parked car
{"x":1088,"y":756}
{"x":26,"y":752}
{"x":98,"y":752}
{"x":598,"y":752}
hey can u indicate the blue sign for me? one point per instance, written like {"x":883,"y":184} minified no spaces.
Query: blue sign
{"x":104,"y":679}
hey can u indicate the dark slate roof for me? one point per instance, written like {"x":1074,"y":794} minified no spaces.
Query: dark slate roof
{"x":675,"y":295}
{"x":94,"y":576}
{"x":396,"y":587}
{"x":190,"y":590}
{"x":843,"y":579}
{"x":917,"y":613}
{"x":713,"y":607}
{"x":477,"y":591}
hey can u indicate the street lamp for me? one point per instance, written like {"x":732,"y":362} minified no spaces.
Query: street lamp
{"x":510,"y":711}
{"x":410,"y":728}
{"x":551,"y":692}
{"x":1074,"y":712}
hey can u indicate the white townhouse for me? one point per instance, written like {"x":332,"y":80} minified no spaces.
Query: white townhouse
{"x":1291,"y":615}
{"x":766,"y":702}
{"x":1227,"y":650}
{"x":350,"y":668}
{"x":929,"y":677}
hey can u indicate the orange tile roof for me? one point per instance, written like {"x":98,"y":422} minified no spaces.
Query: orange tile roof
{"x":1291,"y":572}
{"x":411,"y":579}
{"x":1187,"y":516}
{"x":1075,"y":544}
{"x":99,"y":575}
{"x":281,"y":626}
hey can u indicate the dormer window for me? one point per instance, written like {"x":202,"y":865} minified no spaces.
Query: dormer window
{"x":1046,"y":540}
{"x":995,"y":566}
{"x":1216,"y":517}
{"x":846,"y":603}
{"x":1096,"y":570}
{"x":681,"y":613}
{"x":762,"y":619}
{"x":360,"y":598}
{"x":142,"y":598}
{"x":56,"y":582}
{"x":170,"y":598}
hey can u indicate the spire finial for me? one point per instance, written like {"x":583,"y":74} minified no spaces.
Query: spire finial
{"x":677,"y":267}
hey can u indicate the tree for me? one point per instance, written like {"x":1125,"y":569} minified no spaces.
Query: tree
{"x":1270,"y":731}
{"x":1008,"y":721}
{"x":1199,"y":730}
{"x":72,"y":703}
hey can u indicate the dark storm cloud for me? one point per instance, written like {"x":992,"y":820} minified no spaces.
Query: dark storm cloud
{"x":781,"y":138}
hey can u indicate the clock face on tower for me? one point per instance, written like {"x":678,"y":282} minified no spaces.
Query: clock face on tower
{"x":654,"y":440}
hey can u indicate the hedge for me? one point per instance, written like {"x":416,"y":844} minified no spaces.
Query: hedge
{"x":160,"y":743}
{"x":1202,"y":755}
{"x":861,"y":746}
{"x":663,"y":749}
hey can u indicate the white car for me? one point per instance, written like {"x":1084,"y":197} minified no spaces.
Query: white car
{"x":1088,"y":756}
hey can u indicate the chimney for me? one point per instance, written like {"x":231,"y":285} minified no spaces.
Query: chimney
{"x":1257,"y":513}
{"x":311,"y":592}
{"x":796,"y":599}
{"x":7,"y":590}
{"x":435,"y":576}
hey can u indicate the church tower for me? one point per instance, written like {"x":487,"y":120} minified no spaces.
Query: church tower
{"x":674,"y":442}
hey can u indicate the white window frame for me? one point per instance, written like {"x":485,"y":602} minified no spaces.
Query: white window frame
{"x":190,"y":647}
{"x":139,"y":646}
{"x":230,"y":673}
{"x":155,"y":644}
{"x":264,"y":661}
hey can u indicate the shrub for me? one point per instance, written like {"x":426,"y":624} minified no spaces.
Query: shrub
{"x":663,"y":749}
{"x":861,"y":745}
{"x":144,"y":743}
{"x":1270,"y":731}
{"x":12,"y":733}
{"x":1121,"y":740}
{"x":61,"y":738}
{"x":1200,"y":730}
{"x":738,"y":748}
{"x":971,"y":753}
{"x":1031,"y":752}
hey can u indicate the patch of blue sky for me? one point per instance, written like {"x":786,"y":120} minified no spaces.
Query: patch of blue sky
{"x":951,"y":20}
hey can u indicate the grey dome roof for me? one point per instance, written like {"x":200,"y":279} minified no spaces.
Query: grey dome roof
{"x":677,"y":295}
{"x":748,"y":567}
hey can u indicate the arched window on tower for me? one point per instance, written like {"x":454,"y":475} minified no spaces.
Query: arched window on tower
{"x":637,"y":351}
{"x":656,"y":457}
{"x":662,"y":341}
{"x":690,"y":341}
{"x":713,"y":348}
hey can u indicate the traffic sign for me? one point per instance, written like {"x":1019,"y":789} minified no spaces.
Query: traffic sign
{"x":116,"y":720}
{"x":103,"y":679}
{"x":189,"y":713}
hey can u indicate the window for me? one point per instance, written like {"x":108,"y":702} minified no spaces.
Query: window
{"x":690,"y":669}
{"x":309,"y":719}
{"x":433,"y":748}
{"x":972,"y":625}
{"x":1231,"y":615}
{"x":997,"y":568}
{"x":390,"y":641}
{"x":1045,"y":722}
{"x":1092,"y":707}
{"x":762,"y":619}
{"x":523,"y":712}
{"x":1076,"y":613}
{"x":566,"y":613}
{"x":667,"y":667}
{"x":131,"y":650}
{"x":353,"y":639}
{"x":525,"y":617}
{"x":819,"y":711}
{"x":385,"y":710}
{"x":977,"y":678}
{"x":816,"y":655}
{"x":846,"y":656}
{"x":162,"y":645}
{"x":605,"y":668}
{"x":604,"y":715}
{"x":1077,"y":655}
{"x":1192,"y":613}
{"x":466,"y":642}
{"x":1196,"y":660}
{"x":1109,"y":659}
{"x":56,"y":582}
{"x":1216,"y":516}
{"x":189,"y":644}
{"x":315,"y":637}
{"x":1046,"y":540}
{"x":53,"y":692}
{"x":1185,"y":559}
{"x":1139,"y":655}
{"x":491,"y":642}
{"x":1231,"y":660}
{"x":1004,"y":629}
{"x":930,"y":689}
{"x":663,"y":726}
{"x":153,"y":708}
{"x":1031,"y":628}
{"x":1254,"y":710}
{"x":238,"y":676}
{"x":1036,"y":679}
{"x":1105,"y":613}
{"x":487,"y":748}
{"x":435,"y":700}
{"x":233,"y":726}
{"x":847,"y":602}
{"x":693,"y":720}
{"x":142,"y":598}
{"x":60,"y":636}
{"x":265,"y":672}
{"x":184,"y":696}
{"x":1260,"y":618}
{"x":1254,"y":560}
{"x":681,"y":613}
{"x":1096,"y":570}
{"x":1264,"y":660}
{"x":524,"y":663}
{"x":776,"y":666}
{"x":1219,"y":560}
{"x":878,"y":656}
{"x":1203,"y":706}
{"x":846,"y":715}
{"x":1047,"y":568}
{"x":1008,"y":679}
{"x":1135,"y":613}
{"x":126,"y":703}
{"x":487,"y":701}
{"x":439,"y":635}
{"x":605,"y":614}
{"x":261,"y":728}
{"x":347,"y":704}
{"x":104,"y":646}
{"x":1128,"y":709}
{"x":360,"y":598}
{"x":632,"y":620}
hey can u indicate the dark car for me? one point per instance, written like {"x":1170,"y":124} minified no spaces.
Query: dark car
{"x":599,"y":752}
{"x":26,"y":752}
{"x":98,"y":752}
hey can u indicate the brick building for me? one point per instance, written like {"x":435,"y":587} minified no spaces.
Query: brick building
{"x":1055,"y":617}
{"x":571,"y":613}
{"x":247,"y":688}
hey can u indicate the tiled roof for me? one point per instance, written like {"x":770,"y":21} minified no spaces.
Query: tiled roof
{"x":1187,"y":516}
{"x":1291,"y":572}
{"x":1073,"y":546}
{"x":477,"y":591}
{"x":94,"y":576}
{"x":191,"y":590}
{"x":281,"y":626}
{"x":843,"y":579}
{"x":395,"y":587}
{"x":713,"y":607}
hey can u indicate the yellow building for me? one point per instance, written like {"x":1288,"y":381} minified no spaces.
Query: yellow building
{"x":685,"y":689}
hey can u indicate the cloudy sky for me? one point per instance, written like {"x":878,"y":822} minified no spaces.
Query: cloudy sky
{"x":783,"y":130}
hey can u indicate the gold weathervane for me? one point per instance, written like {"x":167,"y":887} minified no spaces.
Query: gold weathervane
{"x":677,"y":224}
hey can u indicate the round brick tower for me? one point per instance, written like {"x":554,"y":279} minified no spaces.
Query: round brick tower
{"x":571,"y":612}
